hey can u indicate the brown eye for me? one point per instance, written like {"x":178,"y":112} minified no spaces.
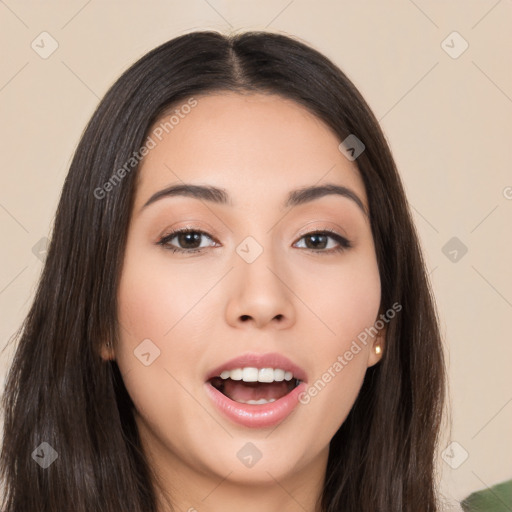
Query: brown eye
{"x":189,"y":240}
{"x":318,"y":241}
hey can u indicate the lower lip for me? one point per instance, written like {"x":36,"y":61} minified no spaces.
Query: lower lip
{"x":256,"y":416}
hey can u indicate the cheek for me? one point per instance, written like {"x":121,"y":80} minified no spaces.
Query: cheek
{"x":156,"y":306}
{"x":151,"y":312}
{"x":148,"y":304}
{"x":347,"y":305}
{"x":344,"y":298}
{"x":156,"y":297}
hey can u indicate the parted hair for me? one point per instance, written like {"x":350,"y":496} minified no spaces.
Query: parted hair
{"x":60,"y":391}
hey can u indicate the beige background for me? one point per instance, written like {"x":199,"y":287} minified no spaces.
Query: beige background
{"x":448,"y":121}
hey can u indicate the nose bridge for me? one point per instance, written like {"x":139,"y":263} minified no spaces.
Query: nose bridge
{"x":262,"y":292}
{"x":261,"y":261}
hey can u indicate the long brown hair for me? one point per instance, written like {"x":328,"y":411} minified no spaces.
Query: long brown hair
{"x":61,"y":392}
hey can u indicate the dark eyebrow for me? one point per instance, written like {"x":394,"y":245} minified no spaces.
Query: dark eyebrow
{"x":221,"y":196}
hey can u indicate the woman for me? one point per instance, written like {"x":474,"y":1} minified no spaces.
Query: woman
{"x":289,"y":358}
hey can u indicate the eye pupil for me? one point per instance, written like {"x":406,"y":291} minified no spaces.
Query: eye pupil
{"x":184,"y":238}
{"x":316,"y":239}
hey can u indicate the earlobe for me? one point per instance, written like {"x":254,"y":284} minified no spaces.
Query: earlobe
{"x":107,"y":352}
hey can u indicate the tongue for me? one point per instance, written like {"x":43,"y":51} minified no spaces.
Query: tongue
{"x":239,"y":390}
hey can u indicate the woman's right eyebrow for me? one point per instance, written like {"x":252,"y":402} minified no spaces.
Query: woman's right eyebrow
{"x":218,"y":195}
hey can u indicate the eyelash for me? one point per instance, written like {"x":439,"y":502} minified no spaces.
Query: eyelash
{"x":344,"y":244}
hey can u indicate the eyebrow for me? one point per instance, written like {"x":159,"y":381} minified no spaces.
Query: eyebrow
{"x":220,"y":196}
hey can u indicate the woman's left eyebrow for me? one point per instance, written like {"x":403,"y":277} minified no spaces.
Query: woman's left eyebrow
{"x":217,"y":195}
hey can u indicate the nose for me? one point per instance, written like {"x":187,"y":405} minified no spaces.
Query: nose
{"x":261,"y":294}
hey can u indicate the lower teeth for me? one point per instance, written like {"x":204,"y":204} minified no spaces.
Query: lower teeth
{"x":261,"y":401}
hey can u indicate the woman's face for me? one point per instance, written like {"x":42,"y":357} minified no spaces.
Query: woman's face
{"x":262,"y":288}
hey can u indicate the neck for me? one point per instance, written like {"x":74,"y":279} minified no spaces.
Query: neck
{"x":296,"y":493}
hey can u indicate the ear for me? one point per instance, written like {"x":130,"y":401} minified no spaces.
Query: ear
{"x":107,"y":351}
{"x":377,"y":347}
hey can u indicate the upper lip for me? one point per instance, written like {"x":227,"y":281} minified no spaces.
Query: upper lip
{"x":269,"y":360}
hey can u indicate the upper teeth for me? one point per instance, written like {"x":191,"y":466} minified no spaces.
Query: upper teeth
{"x":257,"y":374}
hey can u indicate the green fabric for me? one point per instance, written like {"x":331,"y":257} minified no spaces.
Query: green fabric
{"x":494,"y":499}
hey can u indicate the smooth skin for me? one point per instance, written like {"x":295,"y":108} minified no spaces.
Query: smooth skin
{"x":202,"y":309}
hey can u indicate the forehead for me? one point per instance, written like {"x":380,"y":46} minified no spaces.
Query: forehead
{"x":252,"y":145}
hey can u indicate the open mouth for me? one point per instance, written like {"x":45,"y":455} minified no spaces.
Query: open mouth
{"x":255,"y":386}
